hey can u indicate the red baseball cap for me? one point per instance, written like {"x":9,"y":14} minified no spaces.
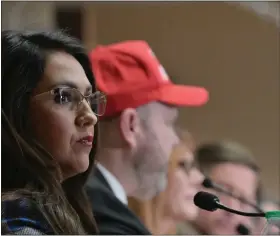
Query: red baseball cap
{"x":130,"y":75}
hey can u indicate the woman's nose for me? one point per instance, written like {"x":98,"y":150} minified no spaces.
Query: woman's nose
{"x":198,"y":177}
{"x":86,"y":116}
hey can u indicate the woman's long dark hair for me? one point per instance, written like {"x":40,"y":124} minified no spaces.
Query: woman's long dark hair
{"x":28,"y":169}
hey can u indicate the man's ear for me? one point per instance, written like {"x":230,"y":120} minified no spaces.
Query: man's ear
{"x":130,"y":126}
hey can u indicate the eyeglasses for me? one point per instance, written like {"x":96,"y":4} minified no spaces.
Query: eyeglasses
{"x":73,"y":98}
{"x":244,"y":203}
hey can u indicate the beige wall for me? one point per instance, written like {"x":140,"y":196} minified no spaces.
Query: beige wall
{"x":27,"y":15}
{"x":230,"y":51}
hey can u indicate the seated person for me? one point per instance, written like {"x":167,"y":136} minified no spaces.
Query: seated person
{"x":233,"y":167}
{"x":137,"y":131}
{"x":48,"y":134}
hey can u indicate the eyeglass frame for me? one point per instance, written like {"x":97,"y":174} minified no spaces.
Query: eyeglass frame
{"x":52,"y":92}
{"x":240,"y":199}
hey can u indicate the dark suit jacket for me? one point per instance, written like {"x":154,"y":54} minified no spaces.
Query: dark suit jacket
{"x":112,"y":216}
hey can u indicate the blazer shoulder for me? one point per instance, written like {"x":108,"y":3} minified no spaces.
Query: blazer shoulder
{"x":111,"y":215}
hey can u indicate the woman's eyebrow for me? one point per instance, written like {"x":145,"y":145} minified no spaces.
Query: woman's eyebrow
{"x":64,"y":84}
{"x":70,"y":84}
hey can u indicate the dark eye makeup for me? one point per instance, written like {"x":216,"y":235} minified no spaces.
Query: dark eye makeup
{"x":63,"y":95}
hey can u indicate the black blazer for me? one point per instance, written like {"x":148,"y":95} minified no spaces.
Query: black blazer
{"x":111,"y":215}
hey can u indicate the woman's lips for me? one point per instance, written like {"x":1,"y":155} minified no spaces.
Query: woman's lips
{"x":87,"y":140}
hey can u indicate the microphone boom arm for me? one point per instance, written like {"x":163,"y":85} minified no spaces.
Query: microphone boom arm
{"x":221,"y":206}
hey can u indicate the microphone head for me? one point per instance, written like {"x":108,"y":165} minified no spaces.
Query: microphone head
{"x":242,"y":230}
{"x":206,"y":201}
{"x":207,"y":183}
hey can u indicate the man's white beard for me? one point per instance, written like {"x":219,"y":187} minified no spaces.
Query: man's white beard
{"x":159,"y":185}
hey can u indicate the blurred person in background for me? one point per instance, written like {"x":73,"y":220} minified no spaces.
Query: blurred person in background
{"x":233,"y":167}
{"x":162,"y":214}
{"x":49,"y":133}
{"x":137,"y":132}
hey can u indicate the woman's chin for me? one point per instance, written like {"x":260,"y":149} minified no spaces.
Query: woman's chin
{"x":80,"y":167}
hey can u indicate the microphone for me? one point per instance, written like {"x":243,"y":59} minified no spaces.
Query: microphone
{"x":208,"y":183}
{"x":206,"y":201}
{"x":210,"y":202}
{"x":243,"y":230}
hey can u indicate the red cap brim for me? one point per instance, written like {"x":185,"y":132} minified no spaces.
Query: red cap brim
{"x":180,"y":95}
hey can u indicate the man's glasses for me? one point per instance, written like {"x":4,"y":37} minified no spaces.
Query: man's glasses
{"x":244,"y":203}
{"x":73,"y":98}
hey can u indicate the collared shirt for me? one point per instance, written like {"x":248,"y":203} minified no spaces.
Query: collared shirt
{"x":115,"y":185}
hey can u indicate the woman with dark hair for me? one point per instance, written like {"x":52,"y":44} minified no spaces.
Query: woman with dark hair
{"x":49,"y":133}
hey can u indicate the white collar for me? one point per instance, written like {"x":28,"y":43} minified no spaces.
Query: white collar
{"x":115,"y":185}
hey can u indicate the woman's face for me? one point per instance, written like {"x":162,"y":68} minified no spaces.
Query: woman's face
{"x":64,"y":130}
{"x":184,"y":182}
